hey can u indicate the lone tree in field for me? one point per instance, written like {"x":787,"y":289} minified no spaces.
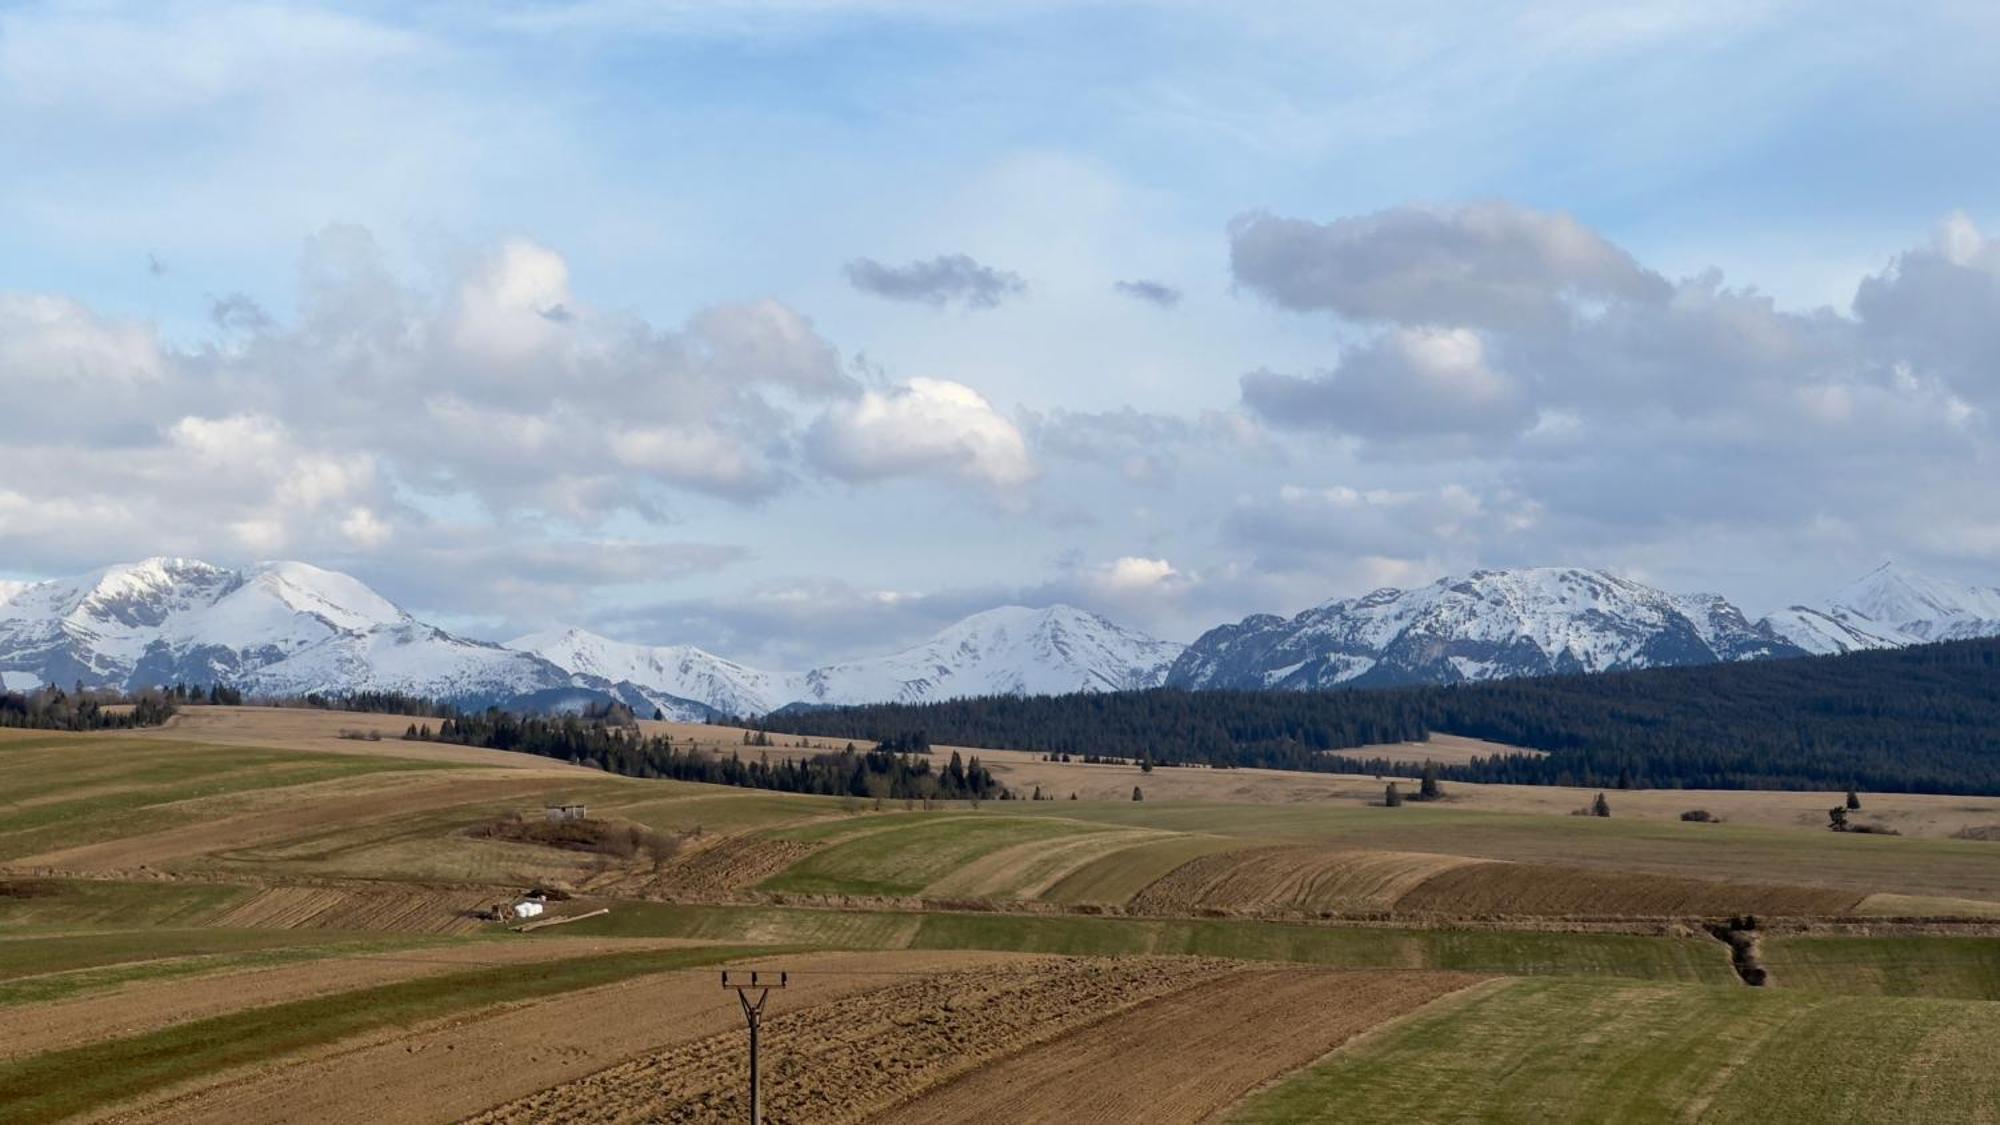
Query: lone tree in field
{"x":1136,"y":795}
{"x":1600,"y":807}
{"x":1428,"y":788}
{"x":1853,"y":799}
{"x":1836,"y":818}
{"x":1393,"y":797}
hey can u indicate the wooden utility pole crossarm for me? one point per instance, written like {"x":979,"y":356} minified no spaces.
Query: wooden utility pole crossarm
{"x":761,"y":982}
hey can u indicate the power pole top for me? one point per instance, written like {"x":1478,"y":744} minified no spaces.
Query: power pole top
{"x":759,"y":981}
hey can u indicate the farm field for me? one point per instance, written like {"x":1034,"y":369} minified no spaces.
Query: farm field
{"x":249,"y":917}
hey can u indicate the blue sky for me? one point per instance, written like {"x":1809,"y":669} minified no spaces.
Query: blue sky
{"x":545,"y":311}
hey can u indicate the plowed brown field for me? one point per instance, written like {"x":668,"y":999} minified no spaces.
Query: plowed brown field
{"x":1547,"y":889}
{"x":1263,"y":880}
{"x":1227,"y":1036}
{"x":844,"y":1062}
{"x":454,"y":1068}
{"x":727,"y":867}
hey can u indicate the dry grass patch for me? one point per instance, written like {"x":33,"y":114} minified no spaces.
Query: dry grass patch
{"x":386,"y":907}
{"x":1478,"y":889}
{"x":1302,"y":878}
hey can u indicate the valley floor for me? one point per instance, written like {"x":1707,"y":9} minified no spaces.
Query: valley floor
{"x":250,"y":917}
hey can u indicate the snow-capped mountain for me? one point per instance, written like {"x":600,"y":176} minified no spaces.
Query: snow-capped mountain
{"x":1892,"y":606}
{"x":1486,"y":625}
{"x":1012,"y":650}
{"x":682,"y":682}
{"x":282,"y":628}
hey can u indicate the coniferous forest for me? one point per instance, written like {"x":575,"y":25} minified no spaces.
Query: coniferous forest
{"x":1919,"y":719}
{"x":896,"y":768}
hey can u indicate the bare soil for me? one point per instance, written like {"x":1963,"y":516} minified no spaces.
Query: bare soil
{"x":1228,"y":1036}
{"x":452,"y":1069}
{"x":844,"y":1062}
{"x":725,"y":868}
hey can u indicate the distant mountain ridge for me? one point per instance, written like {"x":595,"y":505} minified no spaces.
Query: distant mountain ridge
{"x":1490,"y":624}
{"x":290,"y":628}
{"x":1012,"y":650}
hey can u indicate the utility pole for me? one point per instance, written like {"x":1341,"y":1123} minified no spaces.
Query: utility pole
{"x":753,"y":1014}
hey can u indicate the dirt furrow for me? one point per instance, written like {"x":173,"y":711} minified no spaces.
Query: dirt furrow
{"x":455,"y":1068}
{"x":1227,"y":1037}
{"x":845,"y":1062}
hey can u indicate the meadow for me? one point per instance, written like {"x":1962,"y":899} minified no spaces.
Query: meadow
{"x":248,"y":917}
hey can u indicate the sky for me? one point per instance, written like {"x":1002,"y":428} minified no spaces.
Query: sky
{"x":797,"y":329}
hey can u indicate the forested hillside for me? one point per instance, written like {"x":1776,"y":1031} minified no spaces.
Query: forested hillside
{"x":1925,"y":718}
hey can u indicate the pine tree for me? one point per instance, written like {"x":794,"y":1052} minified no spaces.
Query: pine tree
{"x":1393,"y":797}
{"x":1600,"y":807}
{"x":1136,"y":795}
{"x":1853,"y":799}
{"x":659,"y":716}
{"x":1428,"y":788}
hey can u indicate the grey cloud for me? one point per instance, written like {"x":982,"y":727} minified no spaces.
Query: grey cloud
{"x":1403,"y":384}
{"x":238,"y":313}
{"x":1152,"y":292}
{"x":1487,"y":265}
{"x":943,"y":280}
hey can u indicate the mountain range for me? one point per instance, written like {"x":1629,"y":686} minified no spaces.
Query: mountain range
{"x":290,"y":628}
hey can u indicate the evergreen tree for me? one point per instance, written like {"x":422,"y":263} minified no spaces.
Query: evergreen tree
{"x":1136,"y":795}
{"x":1428,"y":788}
{"x":1393,"y":797}
{"x":1853,"y":799}
{"x":1600,"y":807}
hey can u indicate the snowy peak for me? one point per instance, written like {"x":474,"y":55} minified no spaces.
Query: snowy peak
{"x":281,"y":628}
{"x":1485,"y":625}
{"x":1891,"y":606}
{"x":1919,"y":605}
{"x":679,"y":680}
{"x":1012,"y":650}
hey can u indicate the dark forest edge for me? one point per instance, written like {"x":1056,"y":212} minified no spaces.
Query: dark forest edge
{"x":1919,"y":719}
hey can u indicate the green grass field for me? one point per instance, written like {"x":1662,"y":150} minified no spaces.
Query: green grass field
{"x":904,"y":856}
{"x":1963,"y":967}
{"x":69,"y":792}
{"x":1907,"y":865}
{"x":1563,"y":1050}
{"x":1617,"y":955}
{"x":200,"y":953}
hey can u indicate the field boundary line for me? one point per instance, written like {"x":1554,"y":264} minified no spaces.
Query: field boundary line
{"x":1457,"y":998}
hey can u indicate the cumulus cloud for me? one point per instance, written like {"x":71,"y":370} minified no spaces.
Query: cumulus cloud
{"x":944,"y":280}
{"x":1152,"y":292}
{"x":349,"y":430}
{"x":925,"y":426}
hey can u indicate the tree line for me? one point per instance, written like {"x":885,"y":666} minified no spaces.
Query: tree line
{"x":896,"y":768}
{"x":51,"y":708}
{"x":1918,"y":719}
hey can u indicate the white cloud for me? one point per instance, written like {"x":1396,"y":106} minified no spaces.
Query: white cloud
{"x":924,"y":426}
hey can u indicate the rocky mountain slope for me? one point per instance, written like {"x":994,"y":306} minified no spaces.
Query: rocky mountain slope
{"x":289,"y":628}
{"x":283,"y":628}
{"x":1486,"y":625}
